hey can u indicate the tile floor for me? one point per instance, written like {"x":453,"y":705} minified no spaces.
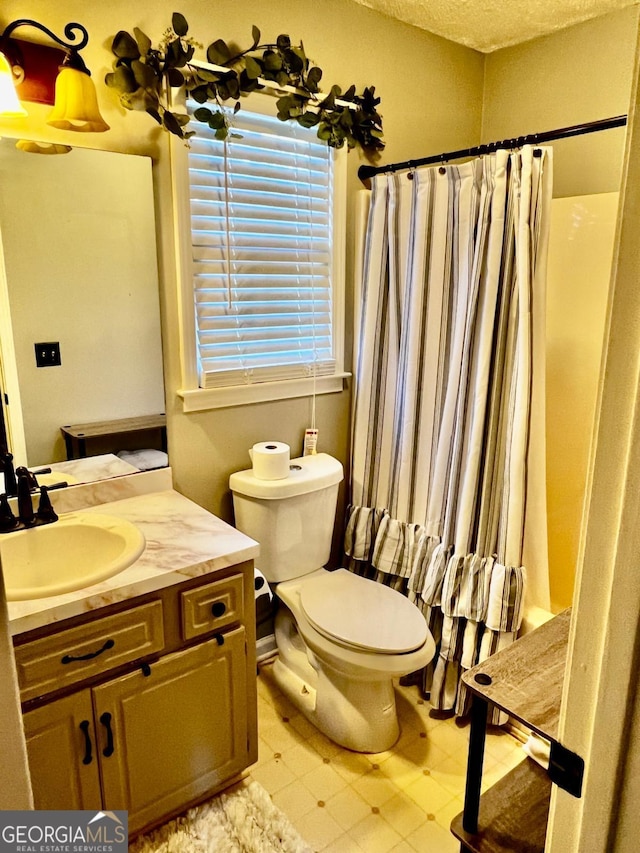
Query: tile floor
{"x":399,"y":801}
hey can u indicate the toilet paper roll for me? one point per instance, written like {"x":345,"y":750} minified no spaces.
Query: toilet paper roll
{"x":270,"y":460}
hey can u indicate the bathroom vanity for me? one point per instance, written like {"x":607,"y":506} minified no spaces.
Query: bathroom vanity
{"x":139,"y":693}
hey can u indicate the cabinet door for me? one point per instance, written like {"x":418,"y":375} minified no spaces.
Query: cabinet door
{"x":62,"y":754}
{"x":176,"y":733}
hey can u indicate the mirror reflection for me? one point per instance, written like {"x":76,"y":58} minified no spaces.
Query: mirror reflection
{"x":80,"y":343}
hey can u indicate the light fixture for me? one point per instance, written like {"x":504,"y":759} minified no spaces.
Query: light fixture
{"x":75,"y":103}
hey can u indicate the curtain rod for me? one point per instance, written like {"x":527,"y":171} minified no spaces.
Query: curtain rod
{"x":365,"y":172}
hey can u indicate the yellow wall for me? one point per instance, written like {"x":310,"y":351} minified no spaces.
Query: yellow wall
{"x":580,"y":253}
{"x":574,"y":76}
{"x":431,"y":100}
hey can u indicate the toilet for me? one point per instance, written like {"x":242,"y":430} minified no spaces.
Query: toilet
{"x":341,"y":638}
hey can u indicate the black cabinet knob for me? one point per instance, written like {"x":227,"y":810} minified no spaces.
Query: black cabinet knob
{"x":219,"y":608}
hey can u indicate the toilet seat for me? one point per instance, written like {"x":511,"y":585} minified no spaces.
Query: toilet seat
{"x":362,"y":614}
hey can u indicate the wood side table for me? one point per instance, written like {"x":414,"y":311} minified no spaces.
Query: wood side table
{"x":524,"y":680}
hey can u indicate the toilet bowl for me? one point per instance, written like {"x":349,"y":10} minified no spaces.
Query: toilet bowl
{"x":339,"y":670}
{"x":341,"y":638}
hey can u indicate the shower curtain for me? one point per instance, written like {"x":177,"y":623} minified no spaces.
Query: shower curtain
{"x":447,"y":495}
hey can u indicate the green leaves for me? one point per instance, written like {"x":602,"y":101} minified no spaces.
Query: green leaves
{"x":122,"y":79}
{"x":143,"y":75}
{"x":313,"y":78}
{"x":179,"y":24}
{"x":143,"y":41}
{"x":218,"y":53}
{"x":252,"y":67}
{"x":125,"y":46}
{"x":217,"y":121}
{"x":177,"y":54}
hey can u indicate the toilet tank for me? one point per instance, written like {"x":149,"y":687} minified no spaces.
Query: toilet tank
{"x":292,"y":519}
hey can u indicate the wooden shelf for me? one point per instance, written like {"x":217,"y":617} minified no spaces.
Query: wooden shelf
{"x":76,"y":435}
{"x":513,"y":813}
{"x":524,"y":680}
{"x":527,"y":677}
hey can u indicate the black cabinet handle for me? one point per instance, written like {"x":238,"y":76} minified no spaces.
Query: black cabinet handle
{"x":70,"y":659}
{"x":84,"y":726}
{"x":105,"y":719}
{"x":219,"y":608}
{"x":219,"y":639}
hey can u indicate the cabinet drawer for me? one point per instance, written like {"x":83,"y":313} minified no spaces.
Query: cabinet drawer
{"x":72,"y":655}
{"x":212,"y":606}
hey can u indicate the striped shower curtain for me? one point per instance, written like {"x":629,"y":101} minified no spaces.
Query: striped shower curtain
{"x":447,"y":497}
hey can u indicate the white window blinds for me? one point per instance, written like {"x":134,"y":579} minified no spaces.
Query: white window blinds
{"x":261,"y":225}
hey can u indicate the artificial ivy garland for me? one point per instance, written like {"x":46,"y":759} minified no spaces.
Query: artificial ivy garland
{"x":143,"y":74}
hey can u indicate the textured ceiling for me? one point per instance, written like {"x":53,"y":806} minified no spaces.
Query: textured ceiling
{"x":487,"y":25}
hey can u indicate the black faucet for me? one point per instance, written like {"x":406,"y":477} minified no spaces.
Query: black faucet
{"x":46,"y":513}
{"x":26,"y":515}
{"x":8,"y":521}
{"x":21,"y":483}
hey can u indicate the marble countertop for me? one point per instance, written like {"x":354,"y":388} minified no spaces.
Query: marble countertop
{"x":88,"y":469}
{"x":182,"y":541}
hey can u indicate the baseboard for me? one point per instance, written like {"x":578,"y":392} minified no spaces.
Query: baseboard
{"x":265,"y":647}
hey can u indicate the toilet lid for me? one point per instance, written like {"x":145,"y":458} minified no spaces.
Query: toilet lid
{"x":362,"y":613}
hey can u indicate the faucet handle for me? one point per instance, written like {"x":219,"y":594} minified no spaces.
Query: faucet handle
{"x":25,"y":503}
{"x":8,"y":521}
{"x":45,"y":513}
{"x":24,"y":473}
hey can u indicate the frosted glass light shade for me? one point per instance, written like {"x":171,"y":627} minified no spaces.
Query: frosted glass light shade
{"x":76,"y":106}
{"x":10,"y":106}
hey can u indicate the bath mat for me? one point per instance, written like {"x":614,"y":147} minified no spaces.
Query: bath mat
{"x":240,"y":820}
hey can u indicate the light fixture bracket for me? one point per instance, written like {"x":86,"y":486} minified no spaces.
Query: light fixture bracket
{"x":42,"y":60}
{"x":68,"y":31}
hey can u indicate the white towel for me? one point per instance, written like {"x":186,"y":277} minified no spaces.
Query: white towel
{"x":538,"y":748}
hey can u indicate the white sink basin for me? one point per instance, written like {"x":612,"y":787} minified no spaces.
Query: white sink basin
{"x":78,"y":550}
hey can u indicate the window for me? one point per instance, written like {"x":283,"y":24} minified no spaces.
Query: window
{"x":266,"y":266}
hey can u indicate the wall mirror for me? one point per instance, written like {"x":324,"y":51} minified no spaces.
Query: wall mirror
{"x":78,"y":272}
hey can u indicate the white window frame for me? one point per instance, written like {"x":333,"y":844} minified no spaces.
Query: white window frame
{"x":195,"y":398}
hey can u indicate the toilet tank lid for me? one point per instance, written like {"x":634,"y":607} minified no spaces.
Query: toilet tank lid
{"x":306,"y":474}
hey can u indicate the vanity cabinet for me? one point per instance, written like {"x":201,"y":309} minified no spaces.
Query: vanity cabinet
{"x":155,"y":706}
{"x":62,"y":756}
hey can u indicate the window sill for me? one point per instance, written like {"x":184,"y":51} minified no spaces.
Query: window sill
{"x":201,"y":399}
